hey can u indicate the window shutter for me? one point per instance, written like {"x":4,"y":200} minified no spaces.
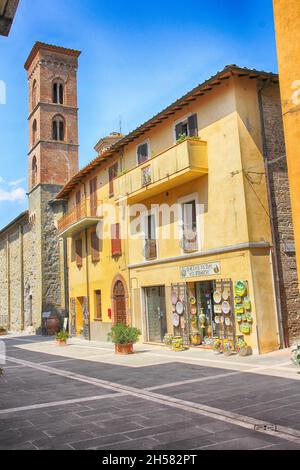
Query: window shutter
{"x":112,"y":174}
{"x":143,"y":153}
{"x":78,"y":252}
{"x":179,"y":130}
{"x":193,"y":125}
{"x":93,"y":196}
{"x":116,"y":245}
{"x":95,"y":247}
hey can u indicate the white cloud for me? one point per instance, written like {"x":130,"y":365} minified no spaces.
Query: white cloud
{"x":17,"y":182}
{"x":2,"y":180}
{"x":15,"y":195}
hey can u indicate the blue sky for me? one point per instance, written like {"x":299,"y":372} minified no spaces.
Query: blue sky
{"x":137,"y":57}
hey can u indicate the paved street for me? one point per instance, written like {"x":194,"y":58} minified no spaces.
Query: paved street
{"x":83,"y":397}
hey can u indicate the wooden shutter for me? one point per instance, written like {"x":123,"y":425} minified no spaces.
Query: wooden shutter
{"x":112,"y":174}
{"x":78,"y":252}
{"x":193,"y":125}
{"x":116,"y":245}
{"x":98,"y":302}
{"x":95,"y":247}
{"x":179,"y":130}
{"x":93,"y":196}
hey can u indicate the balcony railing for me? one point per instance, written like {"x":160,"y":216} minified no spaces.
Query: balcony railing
{"x":179,"y":164}
{"x":81,"y":216}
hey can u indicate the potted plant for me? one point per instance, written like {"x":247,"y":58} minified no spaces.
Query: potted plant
{"x":296,"y":355}
{"x":124,"y":337}
{"x":61,"y":338}
{"x":3,"y":331}
{"x":227,"y":347}
{"x":242,"y":348}
{"x":168,"y":338}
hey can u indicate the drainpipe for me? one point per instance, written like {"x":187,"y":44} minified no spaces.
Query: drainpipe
{"x":283,"y":341}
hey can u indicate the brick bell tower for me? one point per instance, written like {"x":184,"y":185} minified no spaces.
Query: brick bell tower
{"x":52,"y":161}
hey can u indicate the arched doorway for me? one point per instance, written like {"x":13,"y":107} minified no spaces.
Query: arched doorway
{"x":119,"y":301}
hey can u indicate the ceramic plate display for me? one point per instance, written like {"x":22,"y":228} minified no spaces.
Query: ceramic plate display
{"x":240,"y":288}
{"x":217,"y":309}
{"x":238,"y":300}
{"x":239,"y":310}
{"x":192,"y":300}
{"x":226,"y":294}
{"x":222,"y":319}
{"x":227,"y":321}
{"x":179,"y":308}
{"x":217,"y":320}
{"x":217,"y":297}
{"x":247,"y":303}
{"x":225,"y":307}
{"x":193,"y":311}
{"x":176,"y":319}
{"x":174,"y":298}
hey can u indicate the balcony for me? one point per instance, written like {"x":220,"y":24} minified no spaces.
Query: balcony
{"x":82,"y":216}
{"x":179,"y":164}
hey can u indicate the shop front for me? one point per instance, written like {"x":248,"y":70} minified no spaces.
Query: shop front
{"x":227,"y":300}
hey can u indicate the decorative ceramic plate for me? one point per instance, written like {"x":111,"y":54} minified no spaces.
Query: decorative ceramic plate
{"x":179,"y":308}
{"x":222,"y":319}
{"x":227,"y":321}
{"x":176,"y":319}
{"x":240,"y":288}
{"x":192,"y":300}
{"x":217,"y":309}
{"x":217,"y":320}
{"x":174,"y":298}
{"x":226,"y":294}
{"x":217,"y":297}
{"x":225,"y":307}
{"x":193,"y":311}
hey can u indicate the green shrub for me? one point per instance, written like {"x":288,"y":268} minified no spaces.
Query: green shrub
{"x":62,"y":335}
{"x":121,"y":334}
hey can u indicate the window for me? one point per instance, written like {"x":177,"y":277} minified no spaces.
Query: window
{"x":189,"y":218}
{"x":187,"y":127}
{"x":34,"y":172}
{"x":95,"y":247}
{"x":34,"y":94}
{"x":143,"y":153}
{"x":150,"y":237}
{"x":78,"y":204}
{"x":34,"y":131}
{"x":58,"y":128}
{"x":58,"y":93}
{"x":112,"y":174}
{"x":98,"y":305}
{"x":116,"y":245}
{"x":93,"y":196}
{"x":78,"y":252}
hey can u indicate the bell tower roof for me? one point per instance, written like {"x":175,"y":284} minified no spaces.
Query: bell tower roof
{"x":38,"y":46}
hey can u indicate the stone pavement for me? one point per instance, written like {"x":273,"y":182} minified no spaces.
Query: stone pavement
{"x":84,"y":397}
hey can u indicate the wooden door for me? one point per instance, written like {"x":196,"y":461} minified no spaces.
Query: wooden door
{"x":120,"y":303}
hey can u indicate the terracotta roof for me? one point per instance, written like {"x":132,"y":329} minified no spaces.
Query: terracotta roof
{"x":19,"y":218}
{"x":48,"y":47}
{"x":199,"y":90}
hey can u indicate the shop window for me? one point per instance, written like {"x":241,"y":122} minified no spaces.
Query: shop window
{"x":95,"y":247}
{"x":116,"y":244}
{"x":98,"y":305}
{"x":187,"y":127}
{"x":78,"y":252}
{"x":142,"y":153}
{"x":112,"y":174}
{"x":58,"y":128}
{"x":189,"y":219}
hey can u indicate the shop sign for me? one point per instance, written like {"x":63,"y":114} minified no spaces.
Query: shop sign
{"x":197,"y":270}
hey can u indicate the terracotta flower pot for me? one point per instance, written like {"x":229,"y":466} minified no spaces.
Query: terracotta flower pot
{"x":61,"y":342}
{"x":124,"y":348}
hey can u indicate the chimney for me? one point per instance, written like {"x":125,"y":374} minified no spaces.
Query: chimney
{"x":106,"y":142}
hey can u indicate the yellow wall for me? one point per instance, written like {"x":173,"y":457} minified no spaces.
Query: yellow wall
{"x":287,"y":25}
{"x":233,"y":214}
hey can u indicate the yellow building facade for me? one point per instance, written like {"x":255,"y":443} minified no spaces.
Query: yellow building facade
{"x":287,"y":26}
{"x":188,"y":249}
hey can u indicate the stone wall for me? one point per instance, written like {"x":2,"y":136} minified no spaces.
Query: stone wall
{"x":281,"y":209}
{"x":3,"y":283}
